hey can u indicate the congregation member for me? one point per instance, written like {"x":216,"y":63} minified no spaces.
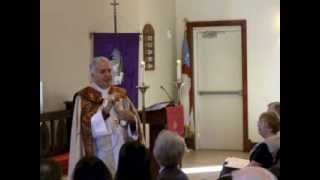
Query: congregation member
{"x":168,"y":151}
{"x":250,"y":173}
{"x":275,"y":107}
{"x":263,"y":154}
{"x":134,"y":162}
{"x":91,"y":168}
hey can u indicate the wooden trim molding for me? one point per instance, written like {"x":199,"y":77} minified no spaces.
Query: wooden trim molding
{"x":242,"y":23}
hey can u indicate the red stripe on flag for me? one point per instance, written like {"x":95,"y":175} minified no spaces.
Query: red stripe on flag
{"x":186,"y":70}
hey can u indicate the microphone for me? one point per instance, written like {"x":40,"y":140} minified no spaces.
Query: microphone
{"x":170,"y":98}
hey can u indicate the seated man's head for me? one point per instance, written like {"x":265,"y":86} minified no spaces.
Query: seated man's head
{"x":168,"y":149}
{"x":268,"y":124}
{"x":101,"y":72}
{"x":91,"y":168}
{"x":275,"y":107}
{"x":252,"y":173}
{"x":134,"y":162}
{"x":50,"y":170}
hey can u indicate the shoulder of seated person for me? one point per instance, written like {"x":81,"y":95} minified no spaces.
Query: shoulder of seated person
{"x":262,"y":145}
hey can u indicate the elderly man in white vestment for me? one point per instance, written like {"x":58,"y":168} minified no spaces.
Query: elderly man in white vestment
{"x":103,"y":119}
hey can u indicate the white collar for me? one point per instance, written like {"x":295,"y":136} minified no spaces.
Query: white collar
{"x":104,"y":92}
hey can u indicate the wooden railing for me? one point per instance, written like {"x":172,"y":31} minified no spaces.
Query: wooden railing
{"x":55,"y":132}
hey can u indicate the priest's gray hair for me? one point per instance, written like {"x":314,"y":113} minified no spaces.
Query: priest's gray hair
{"x":94,"y":62}
{"x":169,"y":148}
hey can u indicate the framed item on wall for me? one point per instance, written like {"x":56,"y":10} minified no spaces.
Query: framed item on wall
{"x":148,"y":47}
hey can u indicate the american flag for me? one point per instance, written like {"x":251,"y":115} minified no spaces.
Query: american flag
{"x":187,"y":94}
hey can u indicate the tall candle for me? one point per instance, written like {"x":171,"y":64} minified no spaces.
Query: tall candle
{"x":178,"y":70}
{"x":142,"y":72}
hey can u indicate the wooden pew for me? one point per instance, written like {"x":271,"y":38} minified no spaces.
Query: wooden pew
{"x":54,"y":137}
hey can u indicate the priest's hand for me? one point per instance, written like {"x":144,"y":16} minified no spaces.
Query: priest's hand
{"x":124,"y":114}
{"x":106,"y":109}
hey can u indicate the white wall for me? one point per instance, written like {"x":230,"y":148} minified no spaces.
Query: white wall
{"x":161,"y":15}
{"x":263,"y":44}
{"x":65,"y":46}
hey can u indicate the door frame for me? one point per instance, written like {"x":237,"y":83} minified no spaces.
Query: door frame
{"x":247,"y":144}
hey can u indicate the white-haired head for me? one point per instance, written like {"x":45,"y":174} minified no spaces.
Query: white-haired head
{"x":169,"y":148}
{"x":101,"y":72}
{"x":253,"y":173}
{"x":93,"y":63}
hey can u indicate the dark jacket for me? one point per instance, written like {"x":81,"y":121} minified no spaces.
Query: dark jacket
{"x":172,"y":173}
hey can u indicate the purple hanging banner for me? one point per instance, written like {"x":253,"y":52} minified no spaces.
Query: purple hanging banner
{"x":123,"y":51}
